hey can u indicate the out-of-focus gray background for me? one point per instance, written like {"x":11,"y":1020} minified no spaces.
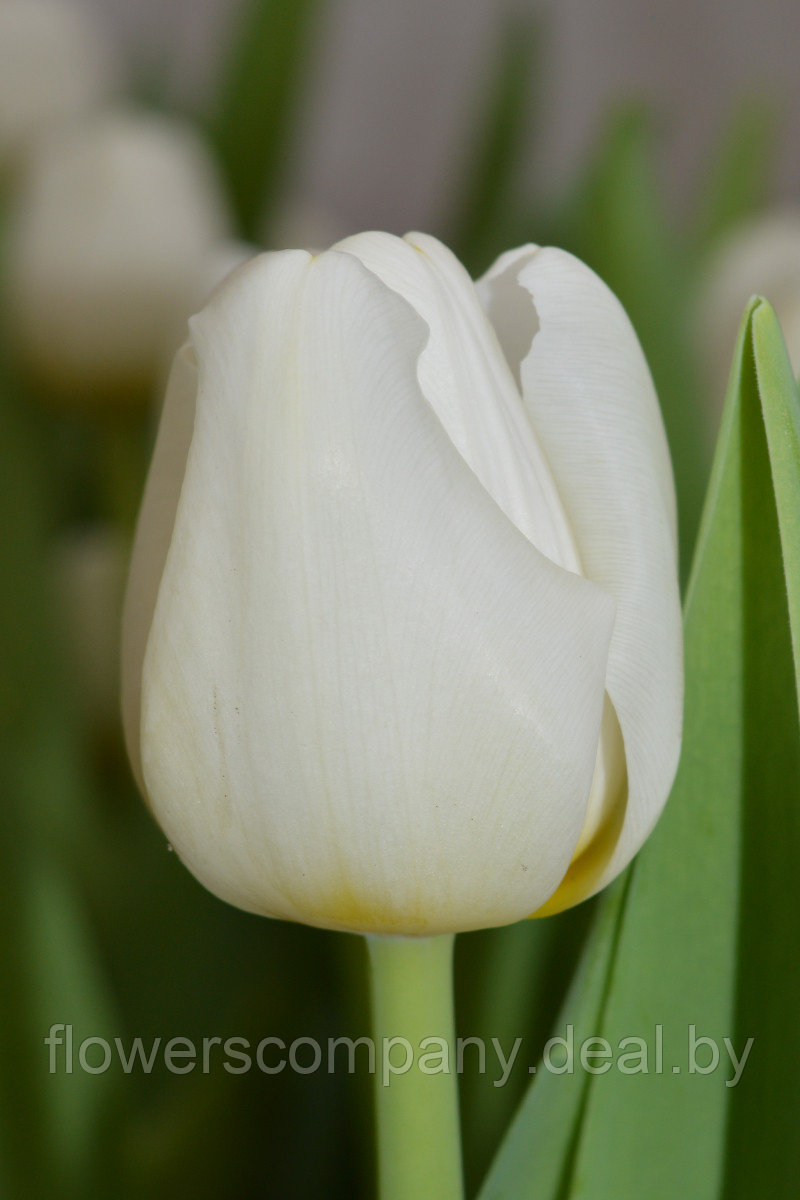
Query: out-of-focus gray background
{"x":397,"y":83}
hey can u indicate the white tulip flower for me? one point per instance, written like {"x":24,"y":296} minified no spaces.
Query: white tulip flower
{"x":54,"y":65}
{"x":114,"y":241}
{"x":402,"y":638}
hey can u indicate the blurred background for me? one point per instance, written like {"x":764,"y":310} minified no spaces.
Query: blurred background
{"x":145,"y":150}
{"x":394,"y":90}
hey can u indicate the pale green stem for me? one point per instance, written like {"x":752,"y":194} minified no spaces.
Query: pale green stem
{"x":419,"y":1140}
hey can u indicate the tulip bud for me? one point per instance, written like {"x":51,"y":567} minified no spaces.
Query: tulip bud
{"x":54,"y":66}
{"x":761,"y":256}
{"x":402,"y":637}
{"x":109,"y":250}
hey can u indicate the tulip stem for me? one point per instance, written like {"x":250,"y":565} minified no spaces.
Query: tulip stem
{"x":419,"y":1139}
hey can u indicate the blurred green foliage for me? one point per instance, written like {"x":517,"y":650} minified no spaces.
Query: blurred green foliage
{"x":254,"y":118}
{"x":493,"y":156}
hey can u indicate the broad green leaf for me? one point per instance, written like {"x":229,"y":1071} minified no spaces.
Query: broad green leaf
{"x":257,"y":102}
{"x":676,"y":965}
{"x":781,"y":413}
{"x":764,"y":1149}
{"x":709,"y":943}
{"x":711,"y":937}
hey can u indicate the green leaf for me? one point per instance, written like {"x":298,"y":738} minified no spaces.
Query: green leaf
{"x":67,"y":988}
{"x":49,"y":1123}
{"x":764,"y":1150}
{"x":781,"y":414}
{"x":709,"y":942}
{"x":511,"y":983}
{"x":257,"y":102}
{"x":534,"y":1157}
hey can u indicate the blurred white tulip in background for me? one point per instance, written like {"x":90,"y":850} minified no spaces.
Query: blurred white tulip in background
{"x":112,"y":242}
{"x":761,"y":256}
{"x":54,"y":65}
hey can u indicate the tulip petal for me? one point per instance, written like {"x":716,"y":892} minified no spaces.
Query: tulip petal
{"x":153,"y":536}
{"x":591,"y":400}
{"x":464,"y":374}
{"x":382,"y":702}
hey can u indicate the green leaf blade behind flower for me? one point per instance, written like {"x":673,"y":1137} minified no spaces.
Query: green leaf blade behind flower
{"x":533,"y":1162}
{"x":676,"y":966}
{"x":781,"y":411}
{"x":763,"y":1147}
{"x":709,"y":943}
